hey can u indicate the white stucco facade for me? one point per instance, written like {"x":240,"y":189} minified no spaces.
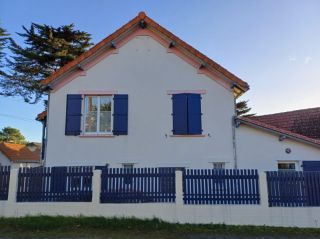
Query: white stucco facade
{"x":4,"y":161}
{"x":262,"y":150}
{"x":145,"y":71}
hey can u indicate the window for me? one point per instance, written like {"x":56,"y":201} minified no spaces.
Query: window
{"x":219,"y":165}
{"x":287,"y":166}
{"x":128,"y":165}
{"x":97,"y":114}
{"x":127,"y":179}
{"x":186,"y":112}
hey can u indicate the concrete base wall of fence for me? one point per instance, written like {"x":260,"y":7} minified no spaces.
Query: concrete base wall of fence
{"x":171,"y":212}
{"x":258,"y":214}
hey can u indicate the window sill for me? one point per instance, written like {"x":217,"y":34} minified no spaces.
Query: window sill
{"x":188,"y":135}
{"x":97,"y":136}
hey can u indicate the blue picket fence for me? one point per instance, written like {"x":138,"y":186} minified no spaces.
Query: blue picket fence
{"x":293,"y":189}
{"x":137,"y":185}
{"x":211,"y":186}
{"x":4,"y":182}
{"x":55,"y":184}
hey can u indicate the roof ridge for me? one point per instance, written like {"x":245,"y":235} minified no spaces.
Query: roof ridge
{"x":133,"y":22}
{"x":285,"y":112}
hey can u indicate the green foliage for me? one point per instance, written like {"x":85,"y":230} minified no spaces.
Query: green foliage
{"x":4,"y":38}
{"x":93,"y":226}
{"x":46,"y":50}
{"x":12,"y":135}
{"x":243,"y":109}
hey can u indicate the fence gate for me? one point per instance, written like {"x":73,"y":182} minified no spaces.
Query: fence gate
{"x":137,"y":185}
{"x":293,"y":189}
{"x":56,"y":184}
{"x":4,"y":182}
{"x":212,"y":186}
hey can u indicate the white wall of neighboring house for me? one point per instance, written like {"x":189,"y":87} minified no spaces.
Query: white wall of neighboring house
{"x":145,"y":71}
{"x":262,"y":150}
{"x":4,"y":161}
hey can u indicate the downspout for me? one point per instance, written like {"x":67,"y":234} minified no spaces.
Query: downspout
{"x":234,"y":143}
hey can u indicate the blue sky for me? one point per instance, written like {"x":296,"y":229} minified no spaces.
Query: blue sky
{"x":273,"y":45}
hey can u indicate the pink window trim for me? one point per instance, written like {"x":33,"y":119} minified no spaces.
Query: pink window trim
{"x":188,"y":135}
{"x":98,"y":92}
{"x":97,"y":136}
{"x":172,"y":92}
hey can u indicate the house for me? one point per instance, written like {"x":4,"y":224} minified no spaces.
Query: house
{"x":19,"y":155}
{"x":142,"y":97}
{"x":285,"y":141}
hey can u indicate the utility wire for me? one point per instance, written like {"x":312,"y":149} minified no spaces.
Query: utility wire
{"x":17,"y":117}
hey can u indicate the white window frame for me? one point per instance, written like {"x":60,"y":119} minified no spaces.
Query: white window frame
{"x":296,"y":165}
{"x":98,"y":114}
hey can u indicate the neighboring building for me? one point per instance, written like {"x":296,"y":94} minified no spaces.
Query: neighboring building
{"x":19,"y":155}
{"x":305,"y":121}
{"x":262,"y":145}
{"x":142,"y":97}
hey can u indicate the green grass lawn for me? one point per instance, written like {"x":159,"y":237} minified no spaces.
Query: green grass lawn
{"x":99,"y":227}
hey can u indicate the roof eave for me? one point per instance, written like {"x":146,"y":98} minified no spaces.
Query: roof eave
{"x":278,"y":132}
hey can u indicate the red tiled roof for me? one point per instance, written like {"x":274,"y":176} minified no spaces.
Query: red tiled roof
{"x":20,"y":152}
{"x":41,"y":116}
{"x":149,"y":22}
{"x":304,"y":122}
{"x":260,"y":124}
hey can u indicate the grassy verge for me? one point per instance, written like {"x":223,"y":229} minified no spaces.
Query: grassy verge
{"x":100,"y":227}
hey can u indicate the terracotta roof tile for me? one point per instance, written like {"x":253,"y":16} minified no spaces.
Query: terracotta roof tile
{"x":41,"y":116}
{"x":20,"y":152}
{"x":142,"y":16}
{"x":255,"y":122}
{"x":305,"y":122}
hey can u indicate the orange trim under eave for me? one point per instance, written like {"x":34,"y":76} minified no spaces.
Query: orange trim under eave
{"x":188,"y":135}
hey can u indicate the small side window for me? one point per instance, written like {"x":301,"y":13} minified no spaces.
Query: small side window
{"x":128,"y":169}
{"x":219,"y":165}
{"x":287,"y":166}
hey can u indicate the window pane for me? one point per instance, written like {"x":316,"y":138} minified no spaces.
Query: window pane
{"x":91,"y":104}
{"x":105,"y":103}
{"x":105,"y":113}
{"x":105,"y":121}
{"x":91,"y":122}
{"x":286,"y":166}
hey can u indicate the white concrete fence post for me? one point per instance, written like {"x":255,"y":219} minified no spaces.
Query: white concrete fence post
{"x":179,"y":187}
{"x":263,"y":186}
{"x":13,"y":186}
{"x":96,"y":186}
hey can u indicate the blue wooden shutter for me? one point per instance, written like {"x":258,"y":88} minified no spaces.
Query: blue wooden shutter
{"x":311,"y":165}
{"x":194,"y":114}
{"x":180,"y":113}
{"x":73,"y":115}
{"x":120,"y":114}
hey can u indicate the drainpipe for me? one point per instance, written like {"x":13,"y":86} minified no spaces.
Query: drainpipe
{"x":234,"y":143}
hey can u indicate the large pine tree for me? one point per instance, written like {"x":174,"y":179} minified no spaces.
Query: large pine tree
{"x":4,"y":38}
{"x":46,"y":50}
{"x":243,"y":109}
